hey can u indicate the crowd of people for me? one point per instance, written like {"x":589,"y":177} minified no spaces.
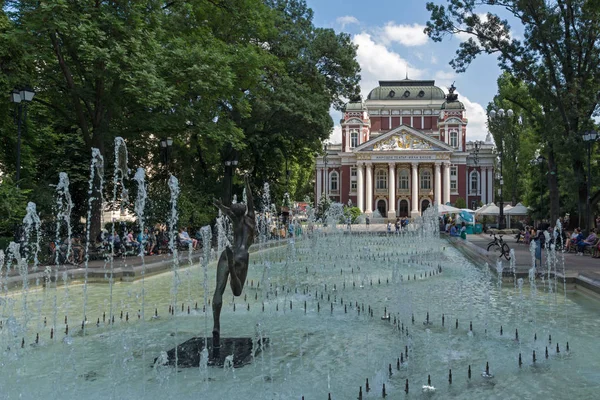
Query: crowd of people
{"x":575,"y":241}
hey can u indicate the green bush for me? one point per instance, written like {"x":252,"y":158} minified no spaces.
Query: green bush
{"x":354,"y":213}
{"x":460,"y":203}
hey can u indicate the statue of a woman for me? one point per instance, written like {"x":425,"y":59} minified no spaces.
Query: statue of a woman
{"x":233,"y":261}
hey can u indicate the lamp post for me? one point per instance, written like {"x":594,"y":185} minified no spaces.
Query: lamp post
{"x":540,"y":161}
{"x":326,"y":171}
{"x":21,"y":97}
{"x":504,"y":117}
{"x":230,"y":166}
{"x":589,"y":137}
{"x":287,"y":176}
{"x":165,"y":150}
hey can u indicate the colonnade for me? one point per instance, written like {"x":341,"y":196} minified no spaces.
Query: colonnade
{"x":440,"y":185}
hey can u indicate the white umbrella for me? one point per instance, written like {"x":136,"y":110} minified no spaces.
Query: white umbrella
{"x":444,"y":209}
{"x":490,"y":209}
{"x":519,"y":209}
{"x":507,"y":208}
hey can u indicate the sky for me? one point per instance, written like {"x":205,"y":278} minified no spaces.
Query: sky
{"x":390,"y":39}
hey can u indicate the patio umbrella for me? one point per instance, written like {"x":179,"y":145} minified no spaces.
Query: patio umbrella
{"x":444,"y":209}
{"x":489,"y":209}
{"x":519,"y":209}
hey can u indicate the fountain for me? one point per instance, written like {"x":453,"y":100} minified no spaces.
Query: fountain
{"x":318,"y":300}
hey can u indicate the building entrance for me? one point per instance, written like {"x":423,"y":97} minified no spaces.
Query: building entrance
{"x":382,"y":208}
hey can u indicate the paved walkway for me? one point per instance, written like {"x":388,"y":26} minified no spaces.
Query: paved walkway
{"x":582,"y":269}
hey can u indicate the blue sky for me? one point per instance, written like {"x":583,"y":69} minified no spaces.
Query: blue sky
{"x":390,"y":37}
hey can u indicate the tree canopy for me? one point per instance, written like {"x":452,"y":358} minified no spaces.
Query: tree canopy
{"x":250,"y":78}
{"x":557,"y":59}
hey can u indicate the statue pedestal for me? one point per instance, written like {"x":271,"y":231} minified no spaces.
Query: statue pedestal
{"x":242,"y":349}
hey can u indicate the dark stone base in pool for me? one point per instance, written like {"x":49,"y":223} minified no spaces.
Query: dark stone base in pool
{"x":188,"y":353}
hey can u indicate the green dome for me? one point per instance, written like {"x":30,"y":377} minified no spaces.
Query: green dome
{"x":406,"y":89}
{"x":453,"y":105}
{"x":355,"y":106}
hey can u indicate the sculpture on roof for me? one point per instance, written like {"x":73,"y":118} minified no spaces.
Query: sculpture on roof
{"x":451,"y":96}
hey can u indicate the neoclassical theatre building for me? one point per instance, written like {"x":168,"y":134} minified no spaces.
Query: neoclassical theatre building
{"x":404,"y":148}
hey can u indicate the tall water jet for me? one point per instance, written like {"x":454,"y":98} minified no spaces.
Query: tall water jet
{"x":173,"y":218}
{"x":121,"y":171}
{"x":96,"y":171}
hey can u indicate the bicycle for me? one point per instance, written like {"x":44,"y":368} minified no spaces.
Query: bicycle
{"x":499,"y":245}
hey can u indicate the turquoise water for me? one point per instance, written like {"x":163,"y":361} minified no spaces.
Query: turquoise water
{"x":317,"y":351}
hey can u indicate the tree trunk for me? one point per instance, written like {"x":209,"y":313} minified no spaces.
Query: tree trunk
{"x":553,"y":188}
{"x":579,"y":170}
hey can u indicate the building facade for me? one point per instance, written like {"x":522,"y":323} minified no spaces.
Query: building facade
{"x":404,"y":148}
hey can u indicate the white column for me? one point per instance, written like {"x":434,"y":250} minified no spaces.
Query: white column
{"x":360,"y":187}
{"x":437,"y":192}
{"x":347,"y":134}
{"x":490,"y":188}
{"x":414,"y":185}
{"x":326,"y":181}
{"x":446,"y":182}
{"x":484,"y":185}
{"x":319,"y":184}
{"x":369,"y":187}
{"x":392,"y":190}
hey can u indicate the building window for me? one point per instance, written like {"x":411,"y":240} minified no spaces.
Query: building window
{"x":403,"y":179}
{"x":454,"y":179}
{"x":426,"y":180}
{"x":333,"y":182}
{"x":353,"y":139}
{"x":454,"y":138}
{"x":381,"y":179}
{"x":353,"y":182}
{"x":353,"y":186}
{"x":474,"y":185}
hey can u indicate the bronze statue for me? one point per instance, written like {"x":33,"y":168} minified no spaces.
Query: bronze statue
{"x":451,"y":96}
{"x":233,"y":262}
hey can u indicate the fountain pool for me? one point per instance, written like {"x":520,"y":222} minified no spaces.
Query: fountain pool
{"x":320,"y":301}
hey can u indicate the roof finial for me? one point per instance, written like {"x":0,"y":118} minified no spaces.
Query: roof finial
{"x":406,"y":67}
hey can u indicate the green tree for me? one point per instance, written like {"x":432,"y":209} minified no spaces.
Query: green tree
{"x":557,"y":59}
{"x":222,"y":78}
{"x":513,"y":135}
{"x":460,"y":203}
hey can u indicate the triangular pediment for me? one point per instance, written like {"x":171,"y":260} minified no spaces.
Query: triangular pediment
{"x":404,"y":138}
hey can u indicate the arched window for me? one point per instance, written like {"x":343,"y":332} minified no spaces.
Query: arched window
{"x":381,"y":179}
{"x":403,"y":179}
{"x":333,"y":181}
{"x":474,"y":182}
{"x":426,"y":180}
{"x":353,"y":139}
{"x":454,"y":138}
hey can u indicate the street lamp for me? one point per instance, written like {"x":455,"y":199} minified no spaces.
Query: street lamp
{"x":165,"y":150}
{"x":326,"y":171}
{"x":540,"y":161}
{"x":589,"y":137}
{"x":21,"y":97}
{"x":230,"y":166}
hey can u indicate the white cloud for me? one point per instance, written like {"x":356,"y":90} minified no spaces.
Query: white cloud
{"x":336,"y":134}
{"x":443,"y":78}
{"x":377,"y":62}
{"x":406,"y":35}
{"x":346,"y":20}
{"x":476,"y":129}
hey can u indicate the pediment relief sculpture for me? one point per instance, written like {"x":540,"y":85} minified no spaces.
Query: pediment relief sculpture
{"x":402,"y":141}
